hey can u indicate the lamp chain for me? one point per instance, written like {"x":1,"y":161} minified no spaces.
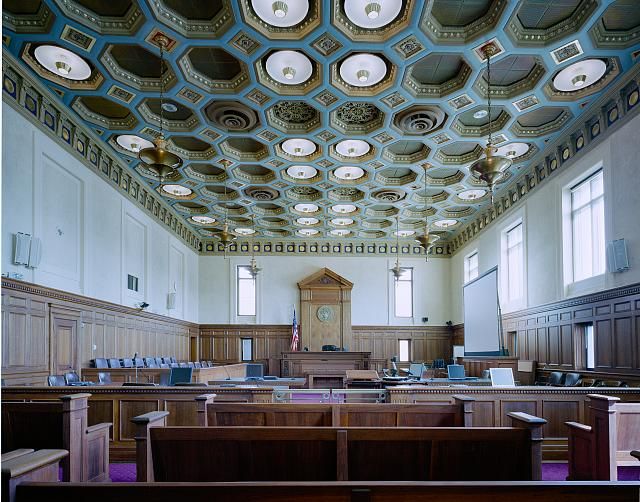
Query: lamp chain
{"x":488,"y":51}
{"x":161,"y":44}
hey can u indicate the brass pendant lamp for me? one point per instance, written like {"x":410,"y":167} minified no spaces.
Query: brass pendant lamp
{"x":492,"y":168}
{"x":157,"y":158}
{"x":397,"y":269}
{"x":254,"y":270}
{"x":427,"y":240}
{"x":225,"y":236}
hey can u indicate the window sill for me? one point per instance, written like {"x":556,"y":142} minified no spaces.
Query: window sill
{"x":585,"y":286}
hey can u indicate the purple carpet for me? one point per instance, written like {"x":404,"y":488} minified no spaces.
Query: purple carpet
{"x":126,"y":473}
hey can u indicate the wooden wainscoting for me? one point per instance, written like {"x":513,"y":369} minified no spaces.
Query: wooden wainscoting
{"x":47,"y":331}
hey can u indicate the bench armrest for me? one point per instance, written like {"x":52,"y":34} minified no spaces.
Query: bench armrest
{"x":144,"y":465}
{"x":578,"y":426}
{"x":31,"y":461}
{"x":202,"y":401}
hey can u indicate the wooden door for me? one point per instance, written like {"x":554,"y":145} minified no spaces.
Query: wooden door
{"x":193,"y":349}
{"x":64,"y":340}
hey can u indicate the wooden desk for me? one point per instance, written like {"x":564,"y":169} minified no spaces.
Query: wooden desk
{"x":280,"y":382}
{"x":301,"y":364}
{"x":475,"y":365}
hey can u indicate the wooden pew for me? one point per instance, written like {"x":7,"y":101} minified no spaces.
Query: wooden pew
{"x":230,"y":454}
{"x":336,"y":492}
{"x":459,"y":414}
{"x":597,"y":449}
{"x":60,"y":424}
{"x":20,"y":466}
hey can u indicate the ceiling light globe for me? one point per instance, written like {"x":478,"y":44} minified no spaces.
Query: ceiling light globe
{"x":480,"y":114}
{"x":169,"y":107}
{"x":579,"y":80}
{"x":363,"y":75}
{"x":289,"y":72}
{"x":372,"y":10}
{"x":63,"y":68}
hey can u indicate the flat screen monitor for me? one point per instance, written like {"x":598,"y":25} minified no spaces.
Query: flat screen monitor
{"x":180,"y":375}
{"x":255,"y":371}
{"x":415,"y":369}
{"x":455,"y":371}
{"x":502,"y":377}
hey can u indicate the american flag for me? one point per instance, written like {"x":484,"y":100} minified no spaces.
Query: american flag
{"x":294,"y":333}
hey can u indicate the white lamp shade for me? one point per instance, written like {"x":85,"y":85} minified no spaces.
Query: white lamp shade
{"x":62,"y":62}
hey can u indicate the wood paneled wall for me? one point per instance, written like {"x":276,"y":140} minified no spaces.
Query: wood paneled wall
{"x":46,"y":331}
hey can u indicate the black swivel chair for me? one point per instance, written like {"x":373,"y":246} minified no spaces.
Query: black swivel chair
{"x":173,"y":359}
{"x":438,"y":364}
{"x":182,"y":365}
{"x":138,"y":362}
{"x":56,"y":381}
{"x":71,"y":378}
{"x":166,"y":360}
{"x":127,"y":362}
{"x":159,"y":361}
{"x":114,"y":363}
{"x":197,"y":364}
{"x":149,"y":362}
{"x":99,"y":362}
{"x":104,"y":378}
{"x":556,"y":379}
{"x":180,"y":375}
{"x":174,"y":365}
{"x":190,"y":365}
{"x":571,"y":379}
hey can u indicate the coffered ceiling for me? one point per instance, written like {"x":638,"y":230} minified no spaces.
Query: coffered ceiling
{"x":324,"y":118}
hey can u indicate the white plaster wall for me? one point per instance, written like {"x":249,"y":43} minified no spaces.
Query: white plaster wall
{"x":83,"y":222}
{"x":370,"y":298}
{"x":542,"y":215}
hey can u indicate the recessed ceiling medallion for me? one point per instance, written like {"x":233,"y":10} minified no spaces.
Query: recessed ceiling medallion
{"x":363,"y":70}
{"x":580,"y":75}
{"x":62,"y":62}
{"x":371,"y":14}
{"x":281,"y":13}
{"x":289,"y":67}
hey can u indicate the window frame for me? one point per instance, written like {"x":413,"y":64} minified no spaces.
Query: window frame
{"x":508,"y":304}
{"x":400,"y":341}
{"x":466,"y":267}
{"x":238,"y":280}
{"x":251,"y":346}
{"x":395,"y":295}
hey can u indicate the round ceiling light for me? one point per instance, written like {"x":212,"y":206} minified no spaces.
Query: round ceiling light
{"x":281,"y":13}
{"x":308,"y":221}
{"x":308,"y":231}
{"x":372,"y":14}
{"x":169,"y":107}
{"x":203,"y":220}
{"x":306,"y":208}
{"x":352,"y":147}
{"x":404,"y":233}
{"x":362,"y":70}
{"x":471,"y":194}
{"x":133,"y":143}
{"x":344,"y":208}
{"x":340,"y":232}
{"x":342,"y":222}
{"x":480,"y":114}
{"x":62,"y":62}
{"x":302,"y":172}
{"x":177,"y":190}
{"x":348,"y":173}
{"x":298,"y":147}
{"x":513,"y":150}
{"x":580,"y":75}
{"x":244,"y":231}
{"x":289,"y":67}
{"x":445,"y":223}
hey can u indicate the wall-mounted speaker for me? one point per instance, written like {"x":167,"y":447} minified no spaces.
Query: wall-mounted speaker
{"x":171,"y":301}
{"x":35,"y":252}
{"x":21,"y":245}
{"x":618,"y":257}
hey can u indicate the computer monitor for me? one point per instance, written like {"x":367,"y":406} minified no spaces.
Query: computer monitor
{"x":502,"y":377}
{"x":180,"y":375}
{"x":416,"y":369}
{"x":455,"y":371}
{"x":255,"y":371}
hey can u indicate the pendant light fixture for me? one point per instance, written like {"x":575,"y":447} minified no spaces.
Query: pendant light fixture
{"x":254,"y":270}
{"x":426,"y":240}
{"x":157,"y":158}
{"x":225,"y":236}
{"x":397,"y":270}
{"x":492,"y":168}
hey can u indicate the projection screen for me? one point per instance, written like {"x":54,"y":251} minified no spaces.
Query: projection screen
{"x":481,"y":315}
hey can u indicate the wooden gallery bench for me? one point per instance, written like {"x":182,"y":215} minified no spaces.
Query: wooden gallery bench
{"x":23,"y":465}
{"x":336,"y":492}
{"x":459,"y":414}
{"x":60,"y":424}
{"x":230,"y":454}
{"x":598,"y":448}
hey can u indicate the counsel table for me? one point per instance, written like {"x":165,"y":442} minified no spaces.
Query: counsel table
{"x":279,"y":382}
{"x":153,"y":375}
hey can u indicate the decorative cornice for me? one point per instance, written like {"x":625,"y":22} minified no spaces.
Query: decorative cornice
{"x":64,"y":296}
{"x":43,"y":109}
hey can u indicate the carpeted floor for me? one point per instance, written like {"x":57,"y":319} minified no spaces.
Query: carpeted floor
{"x":124,"y":473}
